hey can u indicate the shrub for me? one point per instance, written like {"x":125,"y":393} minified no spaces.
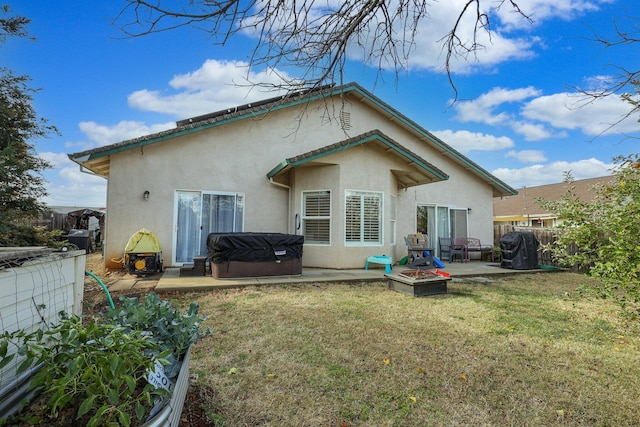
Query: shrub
{"x":605,"y":233}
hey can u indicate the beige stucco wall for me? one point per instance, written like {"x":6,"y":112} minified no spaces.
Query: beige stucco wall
{"x":236,"y":157}
{"x":346,"y":173}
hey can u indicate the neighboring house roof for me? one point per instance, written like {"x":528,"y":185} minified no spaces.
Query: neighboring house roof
{"x":98,"y":160}
{"x":420,"y":171}
{"x":523,"y":205}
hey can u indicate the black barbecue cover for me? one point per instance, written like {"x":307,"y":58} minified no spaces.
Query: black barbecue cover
{"x":253,"y":247}
{"x":519,"y":250}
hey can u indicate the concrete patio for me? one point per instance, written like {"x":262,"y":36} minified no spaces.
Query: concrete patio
{"x":171,"y":281}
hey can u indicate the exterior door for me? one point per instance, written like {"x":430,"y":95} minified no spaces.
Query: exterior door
{"x":441,"y":221}
{"x":434,"y":221}
{"x":199,"y":213}
{"x":458,"y":223}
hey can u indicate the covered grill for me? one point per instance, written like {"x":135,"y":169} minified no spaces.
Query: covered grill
{"x":519,"y":250}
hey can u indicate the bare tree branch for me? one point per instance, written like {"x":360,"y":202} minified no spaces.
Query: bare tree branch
{"x":315,"y":36}
{"x":626,"y":83}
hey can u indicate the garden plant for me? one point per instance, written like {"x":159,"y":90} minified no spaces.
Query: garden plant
{"x":98,"y":372}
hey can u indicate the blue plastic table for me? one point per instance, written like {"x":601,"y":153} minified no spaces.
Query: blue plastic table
{"x":380,"y":259}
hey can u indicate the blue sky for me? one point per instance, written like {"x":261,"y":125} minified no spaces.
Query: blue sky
{"x":518,"y":114}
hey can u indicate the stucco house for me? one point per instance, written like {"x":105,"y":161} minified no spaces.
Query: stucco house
{"x":337,"y":164}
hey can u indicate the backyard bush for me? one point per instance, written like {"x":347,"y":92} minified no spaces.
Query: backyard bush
{"x":602,"y":236}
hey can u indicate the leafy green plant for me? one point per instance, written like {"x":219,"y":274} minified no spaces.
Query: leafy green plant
{"x":497,"y":254}
{"x":102,"y":365}
{"x":600,"y":236}
{"x":172,"y":330}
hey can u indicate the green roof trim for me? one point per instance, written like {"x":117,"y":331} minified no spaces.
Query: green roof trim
{"x":353,"y":142}
{"x":419,"y":129}
{"x":234,"y":115}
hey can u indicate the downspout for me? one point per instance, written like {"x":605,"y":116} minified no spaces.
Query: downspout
{"x":288,"y":187}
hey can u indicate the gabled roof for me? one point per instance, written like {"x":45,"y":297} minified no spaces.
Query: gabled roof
{"x":97,"y":160}
{"x":524,"y":204}
{"x":417,"y":172}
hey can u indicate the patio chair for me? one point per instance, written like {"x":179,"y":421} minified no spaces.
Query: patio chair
{"x":449,"y":251}
{"x":417,"y":246}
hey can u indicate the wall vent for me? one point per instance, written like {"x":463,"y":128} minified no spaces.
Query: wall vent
{"x":345,"y":120}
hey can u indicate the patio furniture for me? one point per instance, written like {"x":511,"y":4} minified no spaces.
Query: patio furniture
{"x":380,"y":259}
{"x":419,"y":253}
{"x":449,"y":251}
{"x":472,"y":244}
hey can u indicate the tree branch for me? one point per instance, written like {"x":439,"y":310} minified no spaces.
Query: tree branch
{"x":314,"y":36}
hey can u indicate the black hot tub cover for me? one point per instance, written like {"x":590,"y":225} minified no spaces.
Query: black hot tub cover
{"x":253,"y":247}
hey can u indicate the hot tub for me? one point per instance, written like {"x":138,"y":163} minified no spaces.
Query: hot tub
{"x":254,"y":254}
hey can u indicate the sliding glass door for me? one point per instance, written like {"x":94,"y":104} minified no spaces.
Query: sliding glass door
{"x":441,"y":221}
{"x":199,"y":213}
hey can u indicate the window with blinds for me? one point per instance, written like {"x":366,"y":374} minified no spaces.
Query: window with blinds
{"x":363,"y":218}
{"x":316,"y":217}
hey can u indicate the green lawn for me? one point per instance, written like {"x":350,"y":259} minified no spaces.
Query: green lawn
{"x":524,"y":350}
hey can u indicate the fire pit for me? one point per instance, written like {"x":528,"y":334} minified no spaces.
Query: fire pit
{"x":419,"y":283}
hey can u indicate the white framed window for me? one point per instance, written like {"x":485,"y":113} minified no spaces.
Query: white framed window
{"x":316,"y":217}
{"x":393,"y":218}
{"x":363,"y":218}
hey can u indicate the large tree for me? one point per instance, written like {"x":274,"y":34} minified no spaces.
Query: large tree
{"x":22,"y":186}
{"x":315,"y":36}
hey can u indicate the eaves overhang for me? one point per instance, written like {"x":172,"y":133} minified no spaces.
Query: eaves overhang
{"x":417,"y":171}
{"x":89,"y":159}
{"x":500,"y":188}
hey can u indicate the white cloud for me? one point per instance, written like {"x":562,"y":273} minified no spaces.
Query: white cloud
{"x":540,"y":10}
{"x":541,"y":174}
{"x":493,"y":49}
{"x":465,"y":141}
{"x":102,"y":135}
{"x":68,"y":186}
{"x":511,"y":36}
{"x":214,"y":86}
{"x":56,"y":159}
{"x":83,"y":194}
{"x":527,"y":156}
{"x":573,"y":111}
{"x":534,"y":131}
{"x":482,"y":109}
{"x":535,"y":116}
